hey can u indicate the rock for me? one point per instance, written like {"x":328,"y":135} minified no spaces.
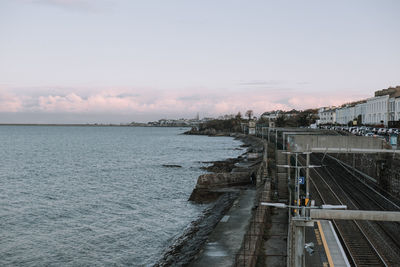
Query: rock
{"x":171,"y":166}
{"x":221,"y":166}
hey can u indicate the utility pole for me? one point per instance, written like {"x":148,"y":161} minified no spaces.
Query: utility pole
{"x":307,"y":178}
{"x":300,"y":180}
{"x":299,"y":221}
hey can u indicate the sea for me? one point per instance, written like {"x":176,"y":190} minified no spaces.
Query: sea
{"x":98,"y":196}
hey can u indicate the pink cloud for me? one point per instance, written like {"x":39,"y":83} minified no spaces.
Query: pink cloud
{"x":314,"y":101}
{"x":151,"y":101}
{"x":10,"y":102}
{"x":101,"y":102}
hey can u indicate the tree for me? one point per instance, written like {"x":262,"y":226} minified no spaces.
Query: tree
{"x":280,"y":121}
{"x":263,"y":120}
{"x":302,"y":120}
{"x":249,"y":114}
{"x":238,"y":116}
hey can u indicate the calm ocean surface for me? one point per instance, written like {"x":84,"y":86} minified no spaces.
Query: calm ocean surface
{"x":85,"y":196}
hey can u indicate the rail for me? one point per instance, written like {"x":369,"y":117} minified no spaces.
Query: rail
{"x":360,"y":248}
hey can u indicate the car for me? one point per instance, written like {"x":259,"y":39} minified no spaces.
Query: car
{"x":369,"y":134}
{"x":381,"y":131}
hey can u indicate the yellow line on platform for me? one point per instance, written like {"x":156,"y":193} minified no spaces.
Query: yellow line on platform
{"x":327,"y":252}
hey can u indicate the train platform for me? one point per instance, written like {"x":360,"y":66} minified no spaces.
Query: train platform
{"x":328,"y":250}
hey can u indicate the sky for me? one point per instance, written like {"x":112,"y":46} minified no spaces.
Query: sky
{"x":118,"y":61}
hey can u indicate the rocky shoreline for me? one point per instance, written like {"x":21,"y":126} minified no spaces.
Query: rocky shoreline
{"x":220,"y":188}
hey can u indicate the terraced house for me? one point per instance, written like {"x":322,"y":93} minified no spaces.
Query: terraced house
{"x":382,"y":109}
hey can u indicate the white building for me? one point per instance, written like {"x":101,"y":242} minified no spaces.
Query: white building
{"x":361,"y":109}
{"x":350,"y":113}
{"x":397,"y":108}
{"x":391,"y":109}
{"x":345,"y":114}
{"x":377,"y":111}
{"x":327,"y":115}
{"x":270,"y":115}
{"x":384,"y":107}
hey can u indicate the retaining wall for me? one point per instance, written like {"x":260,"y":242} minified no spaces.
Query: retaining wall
{"x":306,"y":142}
{"x":384,"y":167}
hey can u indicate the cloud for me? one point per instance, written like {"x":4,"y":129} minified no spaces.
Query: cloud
{"x":96,"y":103}
{"x":10,"y":102}
{"x":155,"y":104}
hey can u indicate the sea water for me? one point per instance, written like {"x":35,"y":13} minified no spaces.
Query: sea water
{"x":98,"y":196}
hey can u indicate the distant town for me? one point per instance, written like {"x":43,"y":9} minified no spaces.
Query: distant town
{"x":381,"y":110}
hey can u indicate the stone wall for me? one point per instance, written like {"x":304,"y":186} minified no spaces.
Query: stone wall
{"x":383,"y":167}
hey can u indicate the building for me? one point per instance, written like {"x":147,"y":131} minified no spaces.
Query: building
{"x":384,"y":107}
{"x":271,"y":115}
{"x":252,"y":127}
{"x":397,"y":109}
{"x":345,"y":114}
{"x":377,"y":110}
{"x":327,"y":115}
{"x":351,"y":112}
{"x":360,"y":111}
{"x":392,"y":109}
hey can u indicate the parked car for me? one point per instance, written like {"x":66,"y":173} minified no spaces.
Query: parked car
{"x":381,"y":131}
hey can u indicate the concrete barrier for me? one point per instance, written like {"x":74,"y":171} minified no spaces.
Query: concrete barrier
{"x":307,"y":142}
{"x":218,"y":180}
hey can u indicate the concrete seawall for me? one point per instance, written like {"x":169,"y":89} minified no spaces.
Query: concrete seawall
{"x":231,"y":194}
{"x":218,"y":180}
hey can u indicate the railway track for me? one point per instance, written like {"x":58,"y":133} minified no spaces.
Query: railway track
{"x":367,"y":198}
{"x":367,"y":243}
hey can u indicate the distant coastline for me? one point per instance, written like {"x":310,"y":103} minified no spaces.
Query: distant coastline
{"x":90,"y":125}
